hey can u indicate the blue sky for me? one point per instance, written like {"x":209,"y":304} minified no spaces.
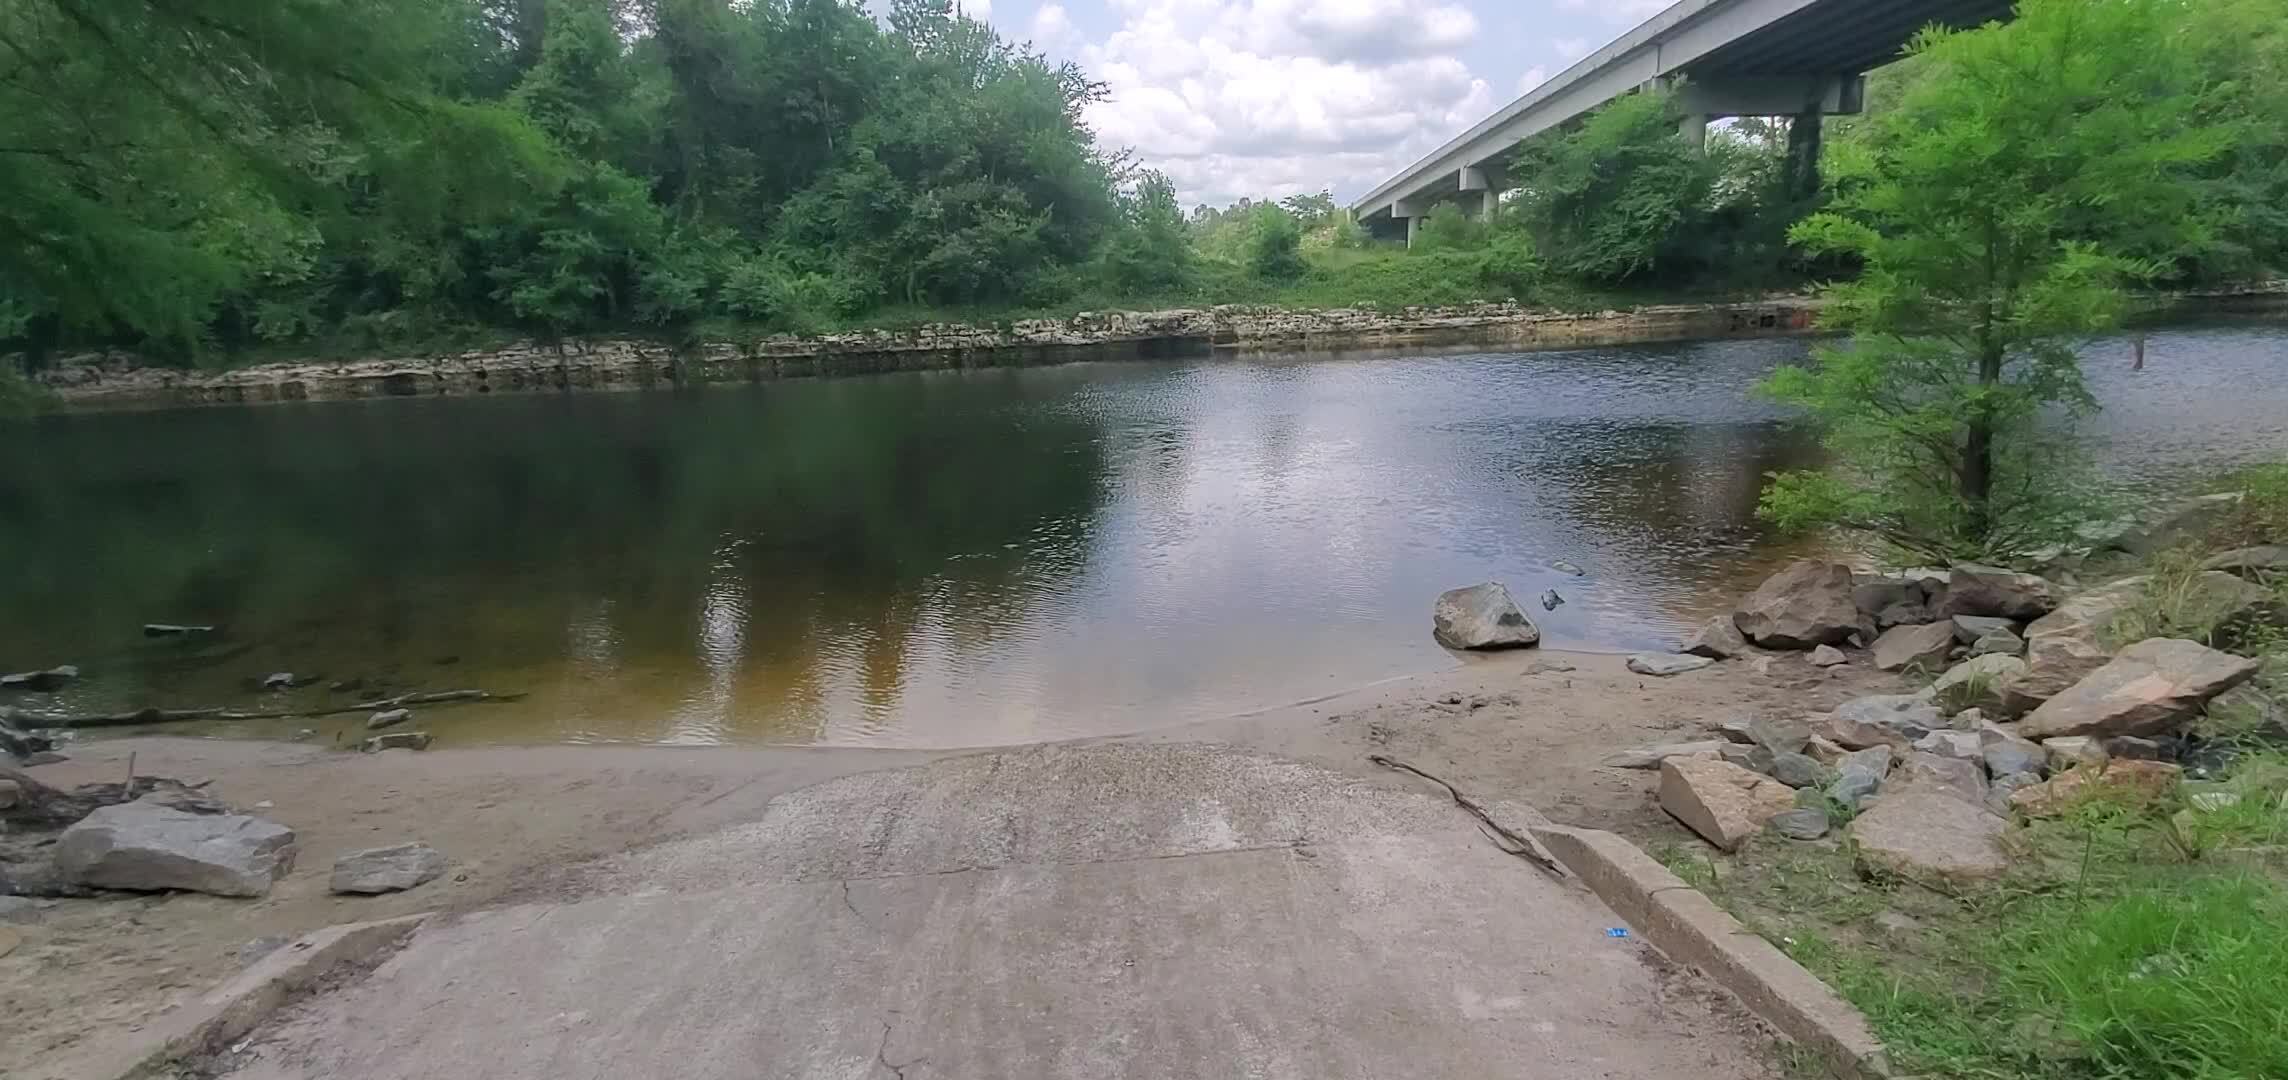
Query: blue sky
{"x":1275,"y":97}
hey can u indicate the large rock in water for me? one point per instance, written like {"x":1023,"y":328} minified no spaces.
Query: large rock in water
{"x":1926,"y":834}
{"x":146,"y":847}
{"x":1723,"y":802}
{"x":2151,"y":687}
{"x":387,"y":869}
{"x":1807,"y":605}
{"x":1482,"y":617}
{"x":1717,"y":639}
{"x":1926,"y":646}
{"x":1972,"y":589}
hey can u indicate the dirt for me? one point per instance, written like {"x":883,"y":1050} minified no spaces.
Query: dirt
{"x":514,"y":821}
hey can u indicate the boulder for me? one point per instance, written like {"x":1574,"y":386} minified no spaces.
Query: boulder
{"x":2183,"y":523}
{"x":1972,"y":589}
{"x":2006,"y":754}
{"x":1825,"y":751}
{"x":1962,"y":778}
{"x":1961,"y":745}
{"x":1930,"y":835}
{"x":1806,"y":605}
{"x":1926,"y":646}
{"x":386,"y":869}
{"x":146,"y":847}
{"x":1799,"y":771}
{"x":1873,"y":593}
{"x":1722,"y":802}
{"x":2250,"y":561}
{"x":387,"y":718}
{"x":1903,"y":615}
{"x":396,"y":740}
{"x":2151,"y":687}
{"x":1998,"y":643}
{"x":1779,"y":735}
{"x":1650,"y":757}
{"x":1717,"y":639}
{"x":1894,"y":720}
{"x":2076,"y":639}
{"x":1985,"y":683}
{"x":2132,"y":748}
{"x":41,"y":682}
{"x":2068,"y":751}
{"x":2006,"y":787}
{"x":1482,"y":617}
{"x":1969,"y":628}
{"x":1828,"y":656}
{"x":1859,"y":775}
{"x":1800,"y":824}
{"x":1666,"y":663}
{"x":1734,"y":729}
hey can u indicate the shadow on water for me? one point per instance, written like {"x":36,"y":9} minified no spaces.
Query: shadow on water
{"x":942,"y":558}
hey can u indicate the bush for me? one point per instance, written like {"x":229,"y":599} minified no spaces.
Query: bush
{"x":1275,"y":252}
{"x":1449,"y":228}
{"x":1510,"y":265}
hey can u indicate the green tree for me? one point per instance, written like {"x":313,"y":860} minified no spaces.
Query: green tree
{"x":1619,"y":197}
{"x":1990,"y":211}
{"x":1275,"y":249}
{"x":1151,"y":252}
{"x":1447,"y":227}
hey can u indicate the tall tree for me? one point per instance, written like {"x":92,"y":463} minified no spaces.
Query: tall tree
{"x":2029,"y":173}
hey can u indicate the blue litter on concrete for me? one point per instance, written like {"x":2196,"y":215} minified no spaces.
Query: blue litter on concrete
{"x":1617,"y":931}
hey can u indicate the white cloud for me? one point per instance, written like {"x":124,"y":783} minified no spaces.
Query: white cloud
{"x":980,"y":10}
{"x":1273,"y":97}
{"x":1534,"y":76}
{"x":1570,"y":49}
{"x":1052,"y":29}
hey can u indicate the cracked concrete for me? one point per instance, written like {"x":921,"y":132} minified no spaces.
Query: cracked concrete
{"x":1077,"y":911}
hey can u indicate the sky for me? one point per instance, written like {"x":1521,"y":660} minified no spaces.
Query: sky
{"x":1279,"y":97}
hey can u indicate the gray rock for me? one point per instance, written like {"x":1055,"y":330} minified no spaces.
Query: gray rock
{"x":1998,"y":643}
{"x":1984,"y":683}
{"x":396,"y":740}
{"x":1903,"y":615}
{"x":2005,"y":785}
{"x":1969,"y":628}
{"x":2149,"y":688}
{"x":1872,"y":593}
{"x":1717,"y":639}
{"x":1925,"y":646}
{"x":2067,"y":751}
{"x":2005,"y":754}
{"x":41,"y":682}
{"x":19,"y":909}
{"x":1962,"y":745}
{"x":1928,"y":835}
{"x":146,"y":847}
{"x":1894,"y":720}
{"x":1859,"y":775}
{"x":1666,"y":663}
{"x":1650,"y":757}
{"x":1778,"y":734}
{"x":387,"y":718}
{"x":2250,"y":561}
{"x":1798,"y":771}
{"x":1736,"y":729}
{"x":1972,"y":589}
{"x":1799,"y":824}
{"x":2132,"y":748}
{"x":1828,"y":656}
{"x":386,"y":869}
{"x":1550,"y":601}
{"x":2186,"y":521}
{"x":2247,"y":709}
{"x":1755,"y":759}
{"x":1482,"y":617}
{"x":1563,"y":567}
{"x":2065,"y":645}
{"x":1722,"y":802}
{"x":1806,"y":605}
{"x":1963,"y":778}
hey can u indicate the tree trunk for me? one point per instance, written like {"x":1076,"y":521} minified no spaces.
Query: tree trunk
{"x":1978,"y":449}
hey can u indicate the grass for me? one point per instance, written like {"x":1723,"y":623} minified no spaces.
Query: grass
{"x":2138,"y":942}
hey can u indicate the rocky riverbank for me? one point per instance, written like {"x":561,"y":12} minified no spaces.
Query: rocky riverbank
{"x":119,"y":381}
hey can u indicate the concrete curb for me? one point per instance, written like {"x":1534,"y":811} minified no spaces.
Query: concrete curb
{"x":1676,"y":919}
{"x":209,"y":1023}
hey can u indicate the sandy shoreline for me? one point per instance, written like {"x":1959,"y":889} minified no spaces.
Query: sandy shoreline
{"x":517,"y":822}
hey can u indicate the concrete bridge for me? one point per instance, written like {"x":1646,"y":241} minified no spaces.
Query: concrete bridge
{"x":1795,"y":58}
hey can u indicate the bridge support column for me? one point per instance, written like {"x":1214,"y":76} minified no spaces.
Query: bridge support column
{"x":1693,"y":129}
{"x":1480,"y":190}
{"x":1800,"y":173}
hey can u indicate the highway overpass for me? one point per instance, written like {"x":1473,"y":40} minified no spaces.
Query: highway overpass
{"x":1734,"y":58}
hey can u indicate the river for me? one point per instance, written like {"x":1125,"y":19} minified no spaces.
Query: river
{"x":947,"y":558}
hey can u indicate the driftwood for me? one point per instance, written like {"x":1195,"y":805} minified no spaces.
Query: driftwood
{"x":1502,"y":836}
{"x":39,"y":804}
{"x":162,"y":716}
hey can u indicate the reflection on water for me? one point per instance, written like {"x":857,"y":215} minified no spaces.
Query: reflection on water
{"x":947,"y":558}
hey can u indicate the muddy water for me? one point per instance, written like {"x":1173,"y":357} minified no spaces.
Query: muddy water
{"x":948,"y":558}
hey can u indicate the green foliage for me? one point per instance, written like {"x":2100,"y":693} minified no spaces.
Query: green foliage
{"x":1274,"y":252}
{"x":1992,"y":210}
{"x":1152,"y":253}
{"x":1609,"y":201}
{"x":1448,"y":228}
{"x":2263,"y":514}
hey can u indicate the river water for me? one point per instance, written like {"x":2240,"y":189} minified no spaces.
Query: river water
{"x":947,"y":558}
